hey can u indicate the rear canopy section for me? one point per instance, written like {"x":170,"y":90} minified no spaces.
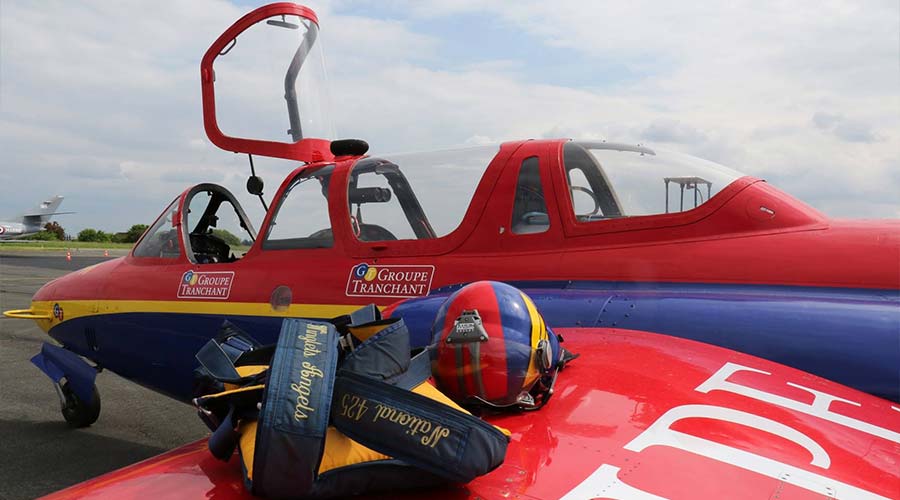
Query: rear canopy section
{"x":264,"y":86}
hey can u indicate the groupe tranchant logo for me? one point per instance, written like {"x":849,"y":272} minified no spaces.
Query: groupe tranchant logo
{"x":389,"y":280}
{"x":206,"y":284}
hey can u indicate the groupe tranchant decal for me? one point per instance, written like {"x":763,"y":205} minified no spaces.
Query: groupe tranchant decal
{"x":205,"y":285}
{"x":392,"y":280}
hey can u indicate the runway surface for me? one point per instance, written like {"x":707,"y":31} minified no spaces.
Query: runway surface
{"x":39,"y":453}
{"x":55,"y":261}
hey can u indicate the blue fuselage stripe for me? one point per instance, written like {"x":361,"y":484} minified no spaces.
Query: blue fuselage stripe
{"x":851,"y":336}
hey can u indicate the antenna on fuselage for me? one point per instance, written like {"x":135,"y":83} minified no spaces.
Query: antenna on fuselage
{"x":255,"y":184}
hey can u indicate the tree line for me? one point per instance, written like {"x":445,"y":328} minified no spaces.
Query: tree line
{"x":53,"y":231}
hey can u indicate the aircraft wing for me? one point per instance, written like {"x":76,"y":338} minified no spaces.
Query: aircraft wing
{"x":637,"y":415}
{"x":48,"y":214}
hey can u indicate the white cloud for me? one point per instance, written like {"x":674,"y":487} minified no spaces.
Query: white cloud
{"x":736,"y":82}
{"x":673,"y":131}
{"x":843,"y":128}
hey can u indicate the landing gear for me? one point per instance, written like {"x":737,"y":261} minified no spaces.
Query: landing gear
{"x":75,"y":383}
{"x":78,"y":413}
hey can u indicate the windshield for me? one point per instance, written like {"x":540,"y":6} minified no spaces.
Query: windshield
{"x":608,"y":180}
{"x":161,"y":240}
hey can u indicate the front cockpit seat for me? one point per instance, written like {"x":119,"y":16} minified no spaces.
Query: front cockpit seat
{"x":374,"y":232}
{"x":531,"y":222}
{"x":210,"y":249}
{"x":367,"y":232}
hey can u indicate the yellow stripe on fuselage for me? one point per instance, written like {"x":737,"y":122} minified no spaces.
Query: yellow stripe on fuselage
{"x":73,"y":309}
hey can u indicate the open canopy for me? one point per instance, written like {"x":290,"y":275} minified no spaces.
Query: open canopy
{"x":264,"y":88}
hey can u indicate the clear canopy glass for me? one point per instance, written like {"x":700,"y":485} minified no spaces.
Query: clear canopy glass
{"x":271,"y":84}
{"x":608,"y":180}
{"x":415,"y":195}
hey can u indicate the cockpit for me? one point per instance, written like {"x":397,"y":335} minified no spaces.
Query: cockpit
{"x":207,"y":222}
{"x":417,"y":196}
{"x":425,"y":196}
{"x":218,"y":230}
{"x":379,"y":181}
{"x":609,"y":180}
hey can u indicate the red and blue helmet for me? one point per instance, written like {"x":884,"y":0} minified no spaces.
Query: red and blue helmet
{"x":491,"y":346}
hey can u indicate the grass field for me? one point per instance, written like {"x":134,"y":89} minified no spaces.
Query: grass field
{"x":60,"y":245}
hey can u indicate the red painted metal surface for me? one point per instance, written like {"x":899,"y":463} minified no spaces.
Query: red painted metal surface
{"x":611,"y":409}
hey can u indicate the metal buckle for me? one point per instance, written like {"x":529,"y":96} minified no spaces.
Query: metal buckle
{"x":209,"y":418}
{"x":468,"y":328}
{"x":545,"y":354}
{"x":345,"y":342}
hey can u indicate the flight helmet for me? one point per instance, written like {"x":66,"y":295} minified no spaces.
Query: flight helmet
{"x":490,"y":346}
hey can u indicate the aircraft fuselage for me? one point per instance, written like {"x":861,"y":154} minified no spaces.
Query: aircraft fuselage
{"x":797,"y":288}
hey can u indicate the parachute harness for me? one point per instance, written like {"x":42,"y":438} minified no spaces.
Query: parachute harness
{"x":338,"y":408}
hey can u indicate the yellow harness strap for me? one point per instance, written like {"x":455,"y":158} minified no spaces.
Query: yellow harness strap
{"x":431,"y":392}
{"x":245,"y":371}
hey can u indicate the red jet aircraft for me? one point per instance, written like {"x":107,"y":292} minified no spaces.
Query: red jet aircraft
{"x":624,"y":249}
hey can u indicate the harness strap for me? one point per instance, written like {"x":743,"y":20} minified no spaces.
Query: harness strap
{"x":419,"y":371}
{"x":214,"y":359}
{"x":361,"y":316}
{"x":385,"y":352}
{"x":374,"y":405}
{"x":293,"y":420}
{"x":225,"y":438}
{"x":416,"y":429}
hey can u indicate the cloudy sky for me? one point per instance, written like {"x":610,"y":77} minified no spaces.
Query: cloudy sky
{"x":100,"y":101}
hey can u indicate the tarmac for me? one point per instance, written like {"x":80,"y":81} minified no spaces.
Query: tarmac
{"x":39,"y":453}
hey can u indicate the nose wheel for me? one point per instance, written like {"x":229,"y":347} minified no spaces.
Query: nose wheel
{"x":78,"y":413}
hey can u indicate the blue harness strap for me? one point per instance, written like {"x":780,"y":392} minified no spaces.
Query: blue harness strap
{"x":295,"y":410}
{"x":384,"y":355}
{"x":373,"y":405}
{"x":418,"y":430}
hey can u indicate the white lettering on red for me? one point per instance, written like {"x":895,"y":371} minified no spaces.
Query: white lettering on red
{"x":391,"y":281}
{"x":820,"y":406}
{"x":208,"y":285}
{"x":660,"y":433}
{"x":604,"y":481}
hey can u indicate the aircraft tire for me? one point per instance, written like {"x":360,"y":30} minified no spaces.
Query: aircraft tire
{"x":76,"y":412}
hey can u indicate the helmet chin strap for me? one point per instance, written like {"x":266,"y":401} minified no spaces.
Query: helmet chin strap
{"x":542,"y":391}
{"x":532,"y":400}
{"x":517,"y":404}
